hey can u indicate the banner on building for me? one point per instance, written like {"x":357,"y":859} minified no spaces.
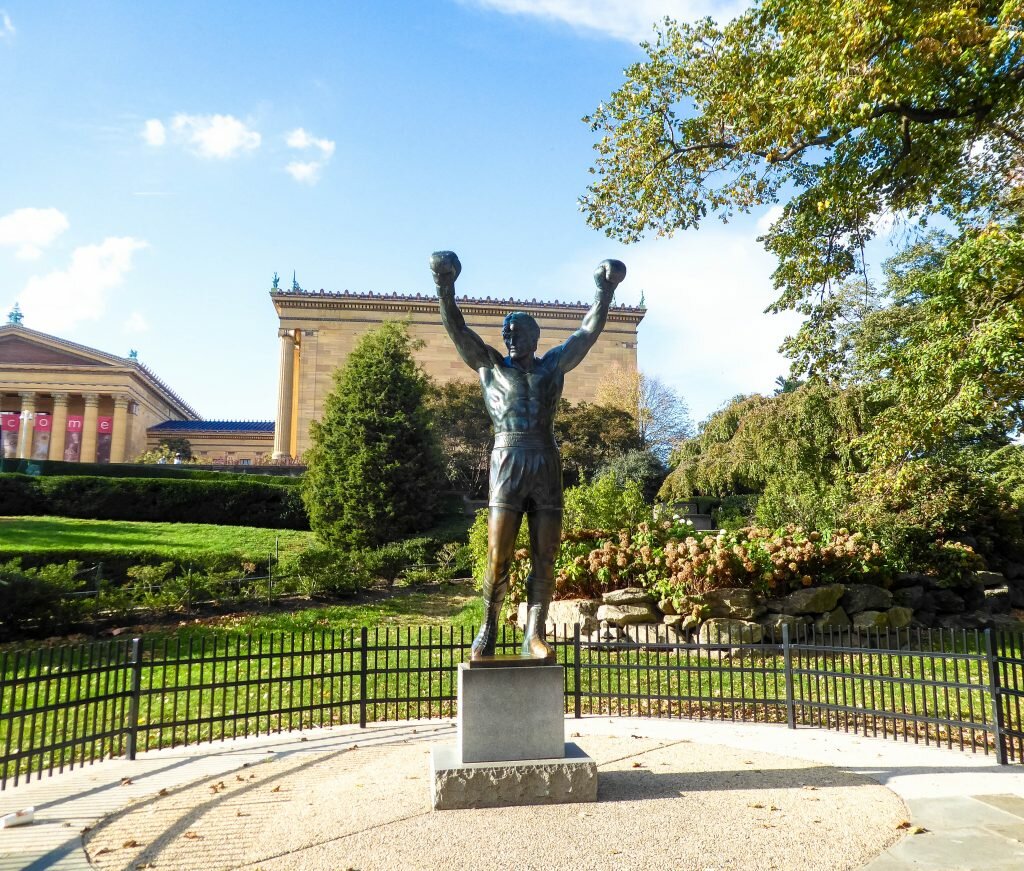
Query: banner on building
{"x":9,"y":422}
{"x":73,"y":438}
{"x":42,"y":426}
{"x":104,"y":434}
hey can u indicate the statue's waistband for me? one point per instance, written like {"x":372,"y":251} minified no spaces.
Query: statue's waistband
{"x":524,"y":440}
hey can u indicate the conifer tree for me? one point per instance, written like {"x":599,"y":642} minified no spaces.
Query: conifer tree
{"x":374,"y":468}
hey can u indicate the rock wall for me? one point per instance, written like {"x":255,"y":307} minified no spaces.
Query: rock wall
{"x":739,"y":615}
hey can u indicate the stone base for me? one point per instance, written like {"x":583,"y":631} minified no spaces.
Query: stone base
{"x":456,"y":784}
{"x":511,"y":714}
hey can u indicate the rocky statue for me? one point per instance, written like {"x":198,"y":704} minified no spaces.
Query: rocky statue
{"x":521,"y":392}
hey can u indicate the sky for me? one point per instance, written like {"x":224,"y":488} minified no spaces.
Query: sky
{"x":159,"y":162}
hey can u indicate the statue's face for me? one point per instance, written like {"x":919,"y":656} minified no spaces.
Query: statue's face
{"x":520,"y":340}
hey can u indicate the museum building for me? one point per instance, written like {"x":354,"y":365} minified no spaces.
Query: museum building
{"x":63,"y":401}
{"x":318,"y":330}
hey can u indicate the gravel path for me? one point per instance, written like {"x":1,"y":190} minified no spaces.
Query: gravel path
{"x":662,"y":803}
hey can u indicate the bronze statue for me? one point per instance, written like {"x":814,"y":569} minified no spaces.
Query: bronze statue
{"x":521,"y":392}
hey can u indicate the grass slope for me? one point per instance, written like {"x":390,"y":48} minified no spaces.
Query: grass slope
{"x":53,"y":536}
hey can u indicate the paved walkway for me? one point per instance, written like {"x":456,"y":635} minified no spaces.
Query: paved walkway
{"x":677,"y":794}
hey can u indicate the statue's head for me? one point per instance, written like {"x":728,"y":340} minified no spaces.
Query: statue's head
{"x":520,"y":333}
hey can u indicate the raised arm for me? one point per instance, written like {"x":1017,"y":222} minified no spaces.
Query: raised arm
{"x":607,"y":277}
{"x":446,"y":268}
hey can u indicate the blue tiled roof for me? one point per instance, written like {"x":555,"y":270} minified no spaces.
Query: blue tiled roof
{"x":266,"y":426}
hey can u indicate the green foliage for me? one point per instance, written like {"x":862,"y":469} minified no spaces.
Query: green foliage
{"x":640,"y":466}
{"x":944,"y":363}
{"x":590,"y":436}
{"x":38,"y":601}
{"x":290,"y":477}
{"x":859,"y":108}
{"x":463,"y":430}
{"x":1006,"y":468}
{"x":231,"y":502}
{"x":373,"y":469}
{"x":922,"y":510}
{"x":795,"y":449}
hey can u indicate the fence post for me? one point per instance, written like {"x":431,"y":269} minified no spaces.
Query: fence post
{"x":135,"y":693}
{"x":997,"y":702}
{"x":576,"y":669}
{"x":363,"y":652}
{"x":787,"y":659}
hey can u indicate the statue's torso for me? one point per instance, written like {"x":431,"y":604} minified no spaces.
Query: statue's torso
{"x":520,"y":401}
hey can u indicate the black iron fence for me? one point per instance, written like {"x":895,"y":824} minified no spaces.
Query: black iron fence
{"x":62,"y":707}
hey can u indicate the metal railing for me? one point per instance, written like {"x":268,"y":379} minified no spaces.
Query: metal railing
{"x":62,"y":707}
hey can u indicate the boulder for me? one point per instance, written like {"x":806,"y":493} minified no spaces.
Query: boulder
{"x":734,"y":602}
{"x":628,"y":596}
{"x":913,"y":579}
{"x":997,"y":599}
{"x":909,"y":597}
{"x":865,"y":597}
{"x":813,"y":600}
{"x":623,"y":615}
{"x":1014,"y":571}
{"x":722,"y":630}
{"x":988,"y":579}
{"x":667,"y":606}
{"x":870,"y":620}
{"x":946,"y":600}
{"x":606,"y":634}
{"x":563,"y":614}
{"x":674,"y":620}
{"x":654,"y":633}
{"x":837,"y":618}
{"x":773,"y":623}
{"x":899,"y":617}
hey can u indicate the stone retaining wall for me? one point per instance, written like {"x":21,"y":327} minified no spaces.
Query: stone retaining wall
{"x":986,"y":600}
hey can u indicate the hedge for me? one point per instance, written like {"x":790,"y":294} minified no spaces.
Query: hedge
{"x":228,"y":503}
{"x":284,"y":475}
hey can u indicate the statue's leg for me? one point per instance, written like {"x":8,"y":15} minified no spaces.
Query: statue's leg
{"x":502,"y":528}
{"x":545,"y":535}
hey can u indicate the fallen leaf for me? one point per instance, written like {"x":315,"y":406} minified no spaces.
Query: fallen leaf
{"x":240,"y":814}
{"x":276,"y":789}
{"x":918,"y":830}
{"x":162,"y":792}
{"x":102,"y":850}
{"x":126,"y":781}
{"x":192,"y":836}
{"x":756,"y":804}
{"x":773,"y":808}
{"x":809,"y":787}
{"x":903,"y":824}
{"x":638,"y":765}
{"x":131,"y":842}
{"x":239,"y":778}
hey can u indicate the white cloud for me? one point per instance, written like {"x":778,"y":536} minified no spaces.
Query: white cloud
{"x":58,"y":301}
{"x":764,"y":223}
{"x":29,"y":231}
{"x":6,"y":25}
{"x":308,"y":171}
{"x":299,"y":138}
{"x":215,"y":136}
{"x":705,"y":333}
{"x":629,"y":20}
{"x":154,"y":132}
{"x":136,"y":323}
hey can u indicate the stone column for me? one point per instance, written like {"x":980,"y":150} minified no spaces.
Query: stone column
{"x":59,"y":425}
{"x":283,"y":447}
{"x":92,"y":410}
{"x":27,"y":427}
{"x":119,"y":437}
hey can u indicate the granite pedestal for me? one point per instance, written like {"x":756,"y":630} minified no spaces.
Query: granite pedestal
{"x":511,"y":747}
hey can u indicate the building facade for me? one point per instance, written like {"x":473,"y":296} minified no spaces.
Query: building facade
{"x":219,"y":442}
{"x":64,"y":401}
{"x":317,"y":331}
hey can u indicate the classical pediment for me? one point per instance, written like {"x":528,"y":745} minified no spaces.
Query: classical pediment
{"x":21,"y":348}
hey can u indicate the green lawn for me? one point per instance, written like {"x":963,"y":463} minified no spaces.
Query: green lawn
{"x":57,"y":536}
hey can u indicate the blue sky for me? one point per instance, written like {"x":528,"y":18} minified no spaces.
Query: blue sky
{"x":159,"y":162}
